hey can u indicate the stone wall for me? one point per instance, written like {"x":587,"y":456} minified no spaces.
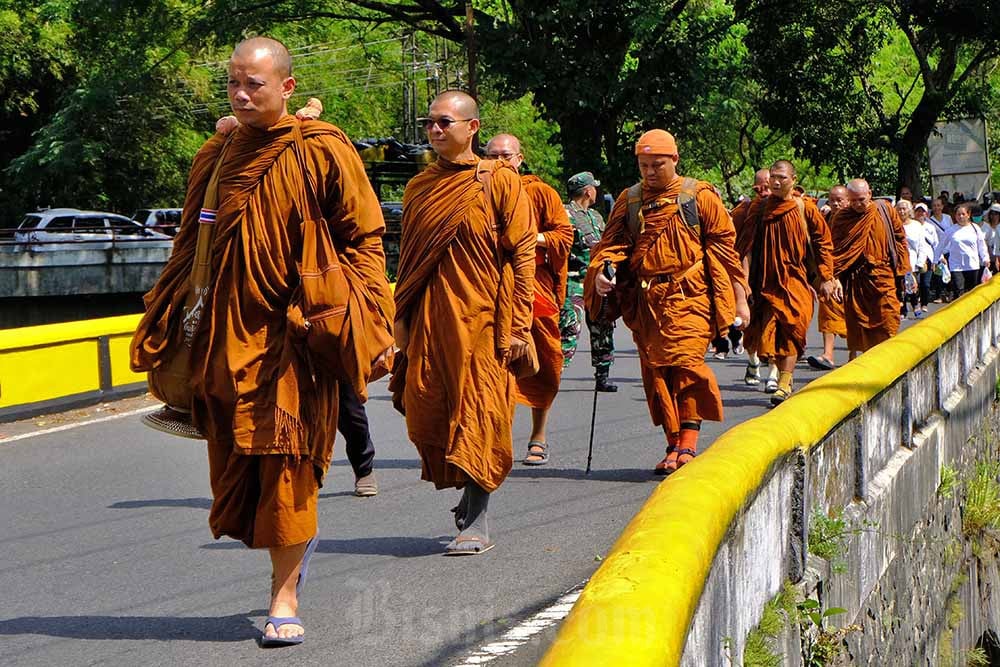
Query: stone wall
{"x":905,"y":573}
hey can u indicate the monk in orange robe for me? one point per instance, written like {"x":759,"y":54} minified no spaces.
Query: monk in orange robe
{"x":870,"y":254}
{"x":831,"y":312}
{"x":553,"y":242}
{"x":464,"y":296}
{"x":673,"y":303}
{"x":761,"y":188}
{"x":266,"y":406}
{"x":781,"y":233}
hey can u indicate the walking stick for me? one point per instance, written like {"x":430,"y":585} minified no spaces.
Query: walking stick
{"x":609,"y":273}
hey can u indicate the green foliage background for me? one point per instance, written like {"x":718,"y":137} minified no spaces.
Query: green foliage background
{"x":103,"y":103}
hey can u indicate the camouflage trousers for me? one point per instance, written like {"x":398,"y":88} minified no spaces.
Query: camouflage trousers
{"x":571,"y":319}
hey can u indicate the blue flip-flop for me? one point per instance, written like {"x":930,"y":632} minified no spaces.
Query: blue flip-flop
{"x":277,"y":622}
{"x":304,"y":566}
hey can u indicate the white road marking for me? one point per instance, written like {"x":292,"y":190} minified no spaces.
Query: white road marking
{"x":88,"y":422}
{"x":521,"y":633}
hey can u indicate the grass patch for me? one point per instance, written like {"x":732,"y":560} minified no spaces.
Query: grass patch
{"x":981,"y":511}
{"x":949,"y":481}
{"x":758,"y":652}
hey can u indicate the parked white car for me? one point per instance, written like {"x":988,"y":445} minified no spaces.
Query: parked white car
{"x":163,"y":220}
{"x":73,"y":229}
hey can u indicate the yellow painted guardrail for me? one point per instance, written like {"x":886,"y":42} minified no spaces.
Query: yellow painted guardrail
{"x":45,"y":364}
{"x":638,"y":606}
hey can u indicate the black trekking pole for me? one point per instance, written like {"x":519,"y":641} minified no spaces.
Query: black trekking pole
{"x":609,"y":273}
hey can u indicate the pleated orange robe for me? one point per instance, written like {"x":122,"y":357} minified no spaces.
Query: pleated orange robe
{"x":739,"y":216}
{"x":777,"y":244}
{"x":551,"y":265}
{"x":663,"y":298}
{"x":268,"y":411}
{"x":457,"y":395}
{"x":830,"y":314}
{"x":862,"y":263}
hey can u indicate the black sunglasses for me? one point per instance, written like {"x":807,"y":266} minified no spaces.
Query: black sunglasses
{"x":443,"y":123}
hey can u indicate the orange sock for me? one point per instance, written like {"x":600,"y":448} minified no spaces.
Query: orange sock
{"x":688,"y":439}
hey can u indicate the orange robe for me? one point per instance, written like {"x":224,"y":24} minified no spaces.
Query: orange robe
{"x":457,"y":396}
{"x":268,"y":411}
{"x":778,"y":246}
{"x":739,"y":216}
{"x":664,"y":299}
{"x":551,"y":265}
{"x":862,"y":262}
{"x":830,"y":315}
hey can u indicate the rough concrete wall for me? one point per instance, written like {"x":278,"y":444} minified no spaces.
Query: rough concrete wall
{"x":70,"y":272}
{"x":904,"y":561}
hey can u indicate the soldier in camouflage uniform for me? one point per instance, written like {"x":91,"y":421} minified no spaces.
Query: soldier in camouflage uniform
{"x":588,"y":225}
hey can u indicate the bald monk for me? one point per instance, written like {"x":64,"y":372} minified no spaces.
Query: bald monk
{"x":464,"y":296}
{"x":661,"y":290}
{"x":870,"y":254}
{"x":785,"y":236}
{"x":831,"y":312}
{"x":552,"y":245}
{"x":266,"y":405}
{"x":761,"y":188}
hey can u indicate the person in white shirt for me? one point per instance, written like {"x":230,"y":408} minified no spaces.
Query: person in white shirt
{"x":943,"y":222}
{"x":965,"y":250}
{"x":920,"y":253}
{"x":925,"y":273}
{"x":991,"y":230}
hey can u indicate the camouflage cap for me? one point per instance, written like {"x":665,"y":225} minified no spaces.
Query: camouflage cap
{"x":579,"y":181}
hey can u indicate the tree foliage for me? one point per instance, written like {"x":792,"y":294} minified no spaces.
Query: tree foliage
{"x":861,"y":85}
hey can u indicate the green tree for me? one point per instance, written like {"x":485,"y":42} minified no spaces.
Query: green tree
{"x":122,"y":136}
{"x":36,"y":63}
{"x":599,"y":71}
{"x":862,"y":85}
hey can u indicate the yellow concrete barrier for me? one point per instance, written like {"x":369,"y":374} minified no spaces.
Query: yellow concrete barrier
{"x":638,"y":606}
{"x":48,"y":363}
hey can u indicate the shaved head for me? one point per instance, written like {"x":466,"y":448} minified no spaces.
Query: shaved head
{"x":859,"y":186}
{"x":451,"y":125}
{"x":459,"y":101}
{"x":505,"y":147}
{"x":784,"y":164}
{"x":508,"y":141}
{"x":837,"y":199}
{"x":256,"y":46}
{"x":859,"y":195}
{"x":761,"y":177}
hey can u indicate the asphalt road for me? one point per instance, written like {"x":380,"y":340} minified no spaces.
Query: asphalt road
{"x":107,"y":557}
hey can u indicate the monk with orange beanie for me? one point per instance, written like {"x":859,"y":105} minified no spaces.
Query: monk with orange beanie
{"x":678,"y":284}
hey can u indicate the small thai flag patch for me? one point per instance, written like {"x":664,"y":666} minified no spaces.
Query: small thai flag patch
{"x":207,"y":216}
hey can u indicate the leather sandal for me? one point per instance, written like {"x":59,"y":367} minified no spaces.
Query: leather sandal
{"x":681,"y":460}
{"x":538,"y":454}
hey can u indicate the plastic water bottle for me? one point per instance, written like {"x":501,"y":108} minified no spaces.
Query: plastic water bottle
{"x":945,"y":273}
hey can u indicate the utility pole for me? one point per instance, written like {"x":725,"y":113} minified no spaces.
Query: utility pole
{"x":470,"y":47}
